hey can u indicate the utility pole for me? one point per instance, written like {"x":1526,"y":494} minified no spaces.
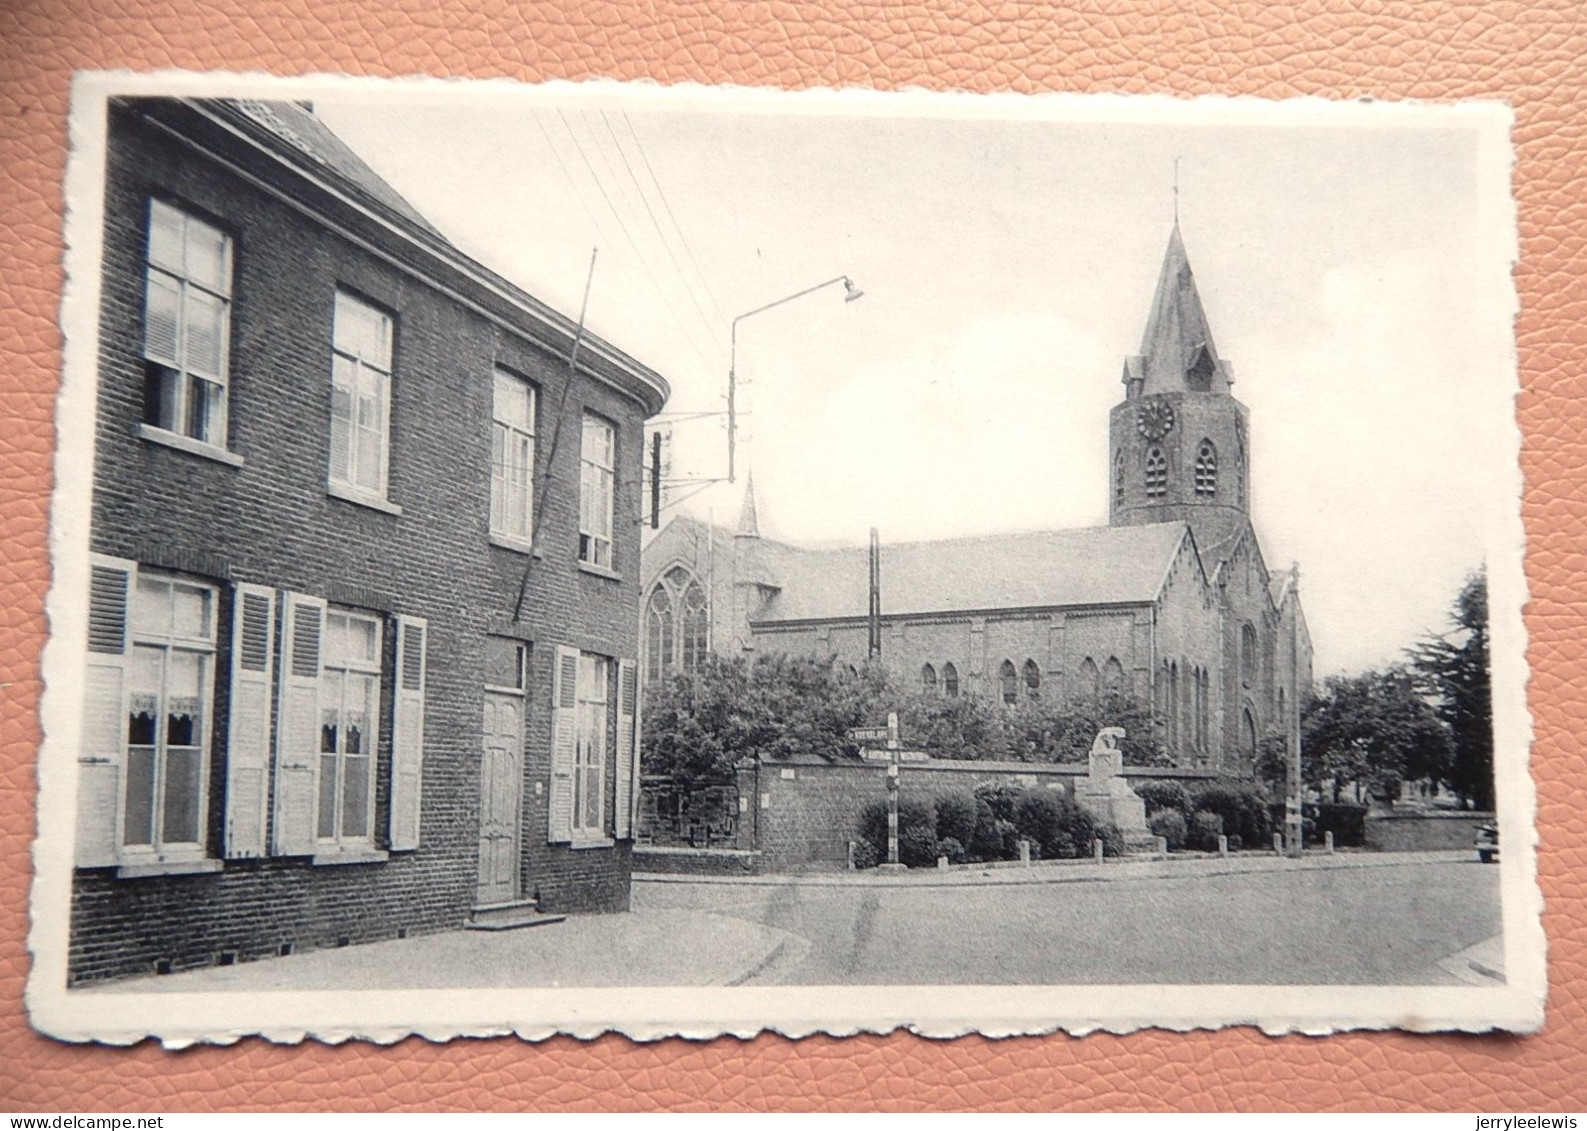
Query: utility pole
{"x":875,"y":636}
{"x":1293,"y":818}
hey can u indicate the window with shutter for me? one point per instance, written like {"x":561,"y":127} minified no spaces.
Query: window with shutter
{"x":564,"y":743}
{"x":349,"y":726}
{"x":101,"y":750}
{"x":248,"y":735}
{"x":627,"y":766}
{"x":170,"y":693}
{"x":407,"y":733}
{"x":298,"y":725}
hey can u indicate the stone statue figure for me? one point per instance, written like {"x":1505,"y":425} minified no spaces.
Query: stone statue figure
{"x":1106,"y":793}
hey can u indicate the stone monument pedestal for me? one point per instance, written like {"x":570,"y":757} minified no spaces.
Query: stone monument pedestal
{"x":1108,"y":796}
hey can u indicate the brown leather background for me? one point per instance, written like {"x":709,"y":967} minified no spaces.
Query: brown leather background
{"x":1534,"y":55}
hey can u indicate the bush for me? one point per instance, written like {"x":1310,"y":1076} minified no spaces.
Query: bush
{"x":1205,"y":829}
{"x":1235,"y":843}
{"x":917,"y":847}
{"x":1163,"y":796}
{"x":1170,"y":825}
{"x":1348,"y":823}
{"x":912,"y":815}
{"x":1243,"y":809}
{"x":865,"y":855}
{"x":1001,"y":797}
{"x":1112,"y":838}
{"x":986,"y":842}
{"x":951,"y":848}
{"x":956,"y":818}
{"x":1059,"y":826}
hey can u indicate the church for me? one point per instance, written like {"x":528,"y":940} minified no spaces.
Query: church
{"x":1171,"y":603}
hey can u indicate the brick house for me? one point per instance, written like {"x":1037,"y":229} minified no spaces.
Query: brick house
{"x":361,"y":645}
{"x":1171,"y":603}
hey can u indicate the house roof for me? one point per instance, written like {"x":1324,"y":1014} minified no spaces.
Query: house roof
{"x":1103,"y":565}
{"x":296,"y":125}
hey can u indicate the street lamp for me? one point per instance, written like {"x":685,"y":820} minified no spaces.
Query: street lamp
{"x":851,"y":292}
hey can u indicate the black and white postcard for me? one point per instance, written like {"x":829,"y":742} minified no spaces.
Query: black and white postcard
{"x":695,"y":561}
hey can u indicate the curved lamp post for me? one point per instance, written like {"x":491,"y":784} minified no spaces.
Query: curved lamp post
{"x":851,"y":292}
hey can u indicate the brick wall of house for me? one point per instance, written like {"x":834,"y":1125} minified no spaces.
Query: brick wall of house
{"x":272,"y":522}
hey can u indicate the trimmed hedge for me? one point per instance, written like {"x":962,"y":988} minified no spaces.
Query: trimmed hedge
{"x":1243,"y":809}
{"x":1171,"y":826}
{"x":1165,"y":795}
{"x":956,"y":818}
{"x":1205,"y":829}
{"x":1063,"y":829}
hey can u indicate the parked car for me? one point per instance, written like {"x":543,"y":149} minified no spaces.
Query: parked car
{"x":1488,"y":843}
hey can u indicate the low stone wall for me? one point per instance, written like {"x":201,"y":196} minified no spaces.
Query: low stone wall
{"x":696,"y":861}
{"x":802,"y":815}
{"x":1424,"y":830}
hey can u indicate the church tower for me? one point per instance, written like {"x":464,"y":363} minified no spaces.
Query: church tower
{"x":1179,"y":441}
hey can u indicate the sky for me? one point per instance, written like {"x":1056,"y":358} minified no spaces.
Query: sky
{"x":1352,"y":262}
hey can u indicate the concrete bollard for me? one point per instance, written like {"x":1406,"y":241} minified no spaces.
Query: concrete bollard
{"x":942,"y":863}
{"x":1162,"y":847}
{"x":1096,"y":850}
{"x":1278,"y":844}
{"x":1328,"y":842}
{"x":1223,"y":846}
{"x":1024,"y":854}
{"x":851,"y":856}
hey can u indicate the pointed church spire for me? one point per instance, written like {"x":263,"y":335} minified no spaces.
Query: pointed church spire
{"x":1177,"y":350}
{"x":748,"y":520}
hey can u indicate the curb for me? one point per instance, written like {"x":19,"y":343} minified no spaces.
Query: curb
{"x":1053,"y":872}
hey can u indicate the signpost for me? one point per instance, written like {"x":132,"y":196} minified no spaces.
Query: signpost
{"x":893,"y":755}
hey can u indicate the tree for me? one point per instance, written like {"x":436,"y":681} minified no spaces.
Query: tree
{"x":1452,"y":670}
{"x":1372,"y":730}
{"x":698,"y":727}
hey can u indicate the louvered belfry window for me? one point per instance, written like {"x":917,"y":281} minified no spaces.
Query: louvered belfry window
{"x":1207,"y":469}
{"x":186,"y":325}
{"x":1156,"y":474}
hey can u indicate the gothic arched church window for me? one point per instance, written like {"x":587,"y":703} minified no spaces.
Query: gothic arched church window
{"x":677,"y":625}
{"x":1032,"y":675}
{"x":660,"y":630}
{"x":1113,"y":676}
{"x":1247,"y":654}
{"x":1010,"y":682}
{"x":950,"y":681}
{"x":928,"y":681}
{"x":1089,"y":678}
{"x":1207,"y":469}
{"x":1118,"y":479}
{"x":1156,"y":473}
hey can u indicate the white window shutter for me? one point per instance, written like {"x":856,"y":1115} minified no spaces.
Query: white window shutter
{"x":407,"y":732}
{"x":564,"y":743}
{"x":99,"y":758}
{"x":627,"y":748}
{"x":248,"y":734}
{"x":298,"y":724}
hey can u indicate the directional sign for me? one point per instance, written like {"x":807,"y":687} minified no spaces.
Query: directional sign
{"x":867,"y":734}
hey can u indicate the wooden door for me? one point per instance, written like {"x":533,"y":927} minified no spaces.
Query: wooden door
{"x":501,"y":789}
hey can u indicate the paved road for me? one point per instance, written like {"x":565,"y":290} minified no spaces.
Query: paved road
{"x":1365,"y":926}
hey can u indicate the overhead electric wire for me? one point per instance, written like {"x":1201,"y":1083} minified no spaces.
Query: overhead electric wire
{"x":667,"y":207}
{"x":655,"y":223}
{"x":643,"y":262}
